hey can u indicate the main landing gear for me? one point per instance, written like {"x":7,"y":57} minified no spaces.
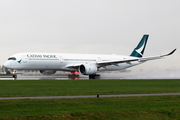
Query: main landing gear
{"x":73,"y":76}
{"x":95,"y":76}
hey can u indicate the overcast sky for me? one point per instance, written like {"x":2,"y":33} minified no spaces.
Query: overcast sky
{"x":91,"y":26}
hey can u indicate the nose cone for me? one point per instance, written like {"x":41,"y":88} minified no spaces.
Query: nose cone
{"x":7,"y":64}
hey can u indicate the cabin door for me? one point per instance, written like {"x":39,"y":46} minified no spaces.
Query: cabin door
{"x":24,"y":59}
{"x":61,"y":59}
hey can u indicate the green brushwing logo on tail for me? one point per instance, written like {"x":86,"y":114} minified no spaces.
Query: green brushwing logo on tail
{"x":139,"y":50}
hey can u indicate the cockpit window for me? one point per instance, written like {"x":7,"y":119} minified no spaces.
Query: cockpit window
{"x":12,"y":58}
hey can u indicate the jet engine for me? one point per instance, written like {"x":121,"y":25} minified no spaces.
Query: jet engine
{"x":88,"y":69}
{"x":47,"y":72}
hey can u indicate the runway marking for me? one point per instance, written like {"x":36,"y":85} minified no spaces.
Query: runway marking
{"x":88,"y":96}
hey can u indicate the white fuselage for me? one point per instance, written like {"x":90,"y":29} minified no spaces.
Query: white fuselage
{"x":60,"y":61}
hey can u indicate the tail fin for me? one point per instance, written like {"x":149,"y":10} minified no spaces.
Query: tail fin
{"x":139,"y":50}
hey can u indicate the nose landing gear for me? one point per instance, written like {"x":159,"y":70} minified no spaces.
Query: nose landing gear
{"x":14,"y":75}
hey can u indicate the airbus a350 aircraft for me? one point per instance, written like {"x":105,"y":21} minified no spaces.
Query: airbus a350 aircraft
{"x":86,"y":64}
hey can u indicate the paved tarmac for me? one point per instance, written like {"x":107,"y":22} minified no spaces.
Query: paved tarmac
{"x":152,"y":74}
{"x":35,"y":78}
{"x":88,"y":96}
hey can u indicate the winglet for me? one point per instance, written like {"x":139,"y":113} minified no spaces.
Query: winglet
{"x":170,"y":53}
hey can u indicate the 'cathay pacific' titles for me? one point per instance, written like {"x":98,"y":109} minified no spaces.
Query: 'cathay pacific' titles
{"x":40,"y":56}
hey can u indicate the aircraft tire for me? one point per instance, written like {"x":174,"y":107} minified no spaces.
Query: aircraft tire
{"x":14,"y":76}
{"x":96,"y":76}
{"x":73,"y":76}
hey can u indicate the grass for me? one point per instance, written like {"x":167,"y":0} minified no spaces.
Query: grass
{"x":154,"y":107}
{"x":85,"y":87}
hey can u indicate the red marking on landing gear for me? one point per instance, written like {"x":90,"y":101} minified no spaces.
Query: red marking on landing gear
{"x":75,"y":72}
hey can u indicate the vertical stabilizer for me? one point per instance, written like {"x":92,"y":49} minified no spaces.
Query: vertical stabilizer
{"x":139,"y":50}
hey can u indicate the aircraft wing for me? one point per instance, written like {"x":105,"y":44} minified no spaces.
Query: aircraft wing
{"x":143,"y":59}
{"x":76,"y":65}
{"x":116,"y":62}
{"x":157,"y":57}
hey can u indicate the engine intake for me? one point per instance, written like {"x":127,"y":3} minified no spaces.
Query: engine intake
{"x":88,"y":69}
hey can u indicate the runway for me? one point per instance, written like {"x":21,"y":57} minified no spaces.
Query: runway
{"x":44,"y":78}
{"x":88,"y":96}
{"x":154,"y":74}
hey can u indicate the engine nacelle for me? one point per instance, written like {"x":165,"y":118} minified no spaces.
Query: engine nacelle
{"x":88,"y":69}
{"x":47,"y":72}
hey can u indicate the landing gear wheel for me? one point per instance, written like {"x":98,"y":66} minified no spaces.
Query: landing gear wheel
{"x":73,"y":76}
{"x":96,"y":76}
{"x":14,"y":76}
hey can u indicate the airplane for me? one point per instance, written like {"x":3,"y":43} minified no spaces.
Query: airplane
{"x":86,"y":64}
